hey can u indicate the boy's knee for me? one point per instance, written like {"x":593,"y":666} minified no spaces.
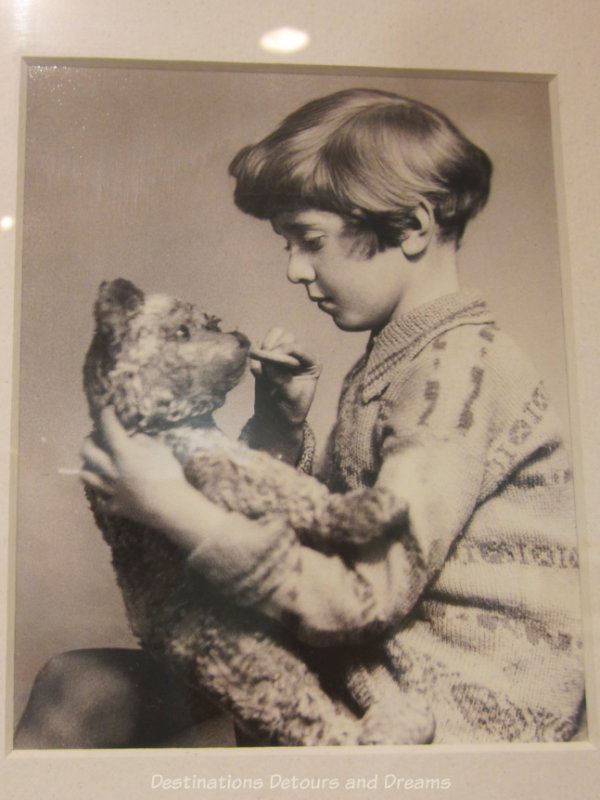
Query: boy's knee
{"x":81,"y":680}
{"x":78,"y":699}
{"x":59,"y":676}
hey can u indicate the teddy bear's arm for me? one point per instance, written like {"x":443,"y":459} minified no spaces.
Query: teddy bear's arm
{"x":255,"y":484}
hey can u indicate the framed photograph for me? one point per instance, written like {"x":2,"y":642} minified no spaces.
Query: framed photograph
{"x":117,"y":148}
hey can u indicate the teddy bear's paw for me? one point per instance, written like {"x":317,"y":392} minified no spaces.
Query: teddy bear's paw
{"x":361,"y":516}
{"x":408,"y":722}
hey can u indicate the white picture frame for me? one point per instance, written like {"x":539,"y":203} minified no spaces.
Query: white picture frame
{"x":489,"y":40}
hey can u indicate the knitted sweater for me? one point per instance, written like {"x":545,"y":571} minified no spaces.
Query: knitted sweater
{"x":475,"y":592}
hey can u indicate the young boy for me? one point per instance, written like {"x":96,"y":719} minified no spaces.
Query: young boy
{"x":473,"y":585}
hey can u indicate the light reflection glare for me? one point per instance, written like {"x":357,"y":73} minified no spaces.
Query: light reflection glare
{"x":22,"y":16}
{"x":7,"y":223}
{"x":284,"y":40}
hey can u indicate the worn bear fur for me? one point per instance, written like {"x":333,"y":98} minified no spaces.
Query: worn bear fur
{"x":165,"y":367}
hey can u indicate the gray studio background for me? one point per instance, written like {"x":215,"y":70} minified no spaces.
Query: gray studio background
{"x":126,"y":175}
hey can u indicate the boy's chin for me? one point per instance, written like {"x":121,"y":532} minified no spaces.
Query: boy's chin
{"x":349,"y":325}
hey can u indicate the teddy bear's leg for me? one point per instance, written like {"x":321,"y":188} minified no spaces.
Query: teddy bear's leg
{"x":259,"y":678}
{"x":392,"y":716}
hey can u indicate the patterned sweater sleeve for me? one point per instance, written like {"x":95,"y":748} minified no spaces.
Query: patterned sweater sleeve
{"x":433,"y":429}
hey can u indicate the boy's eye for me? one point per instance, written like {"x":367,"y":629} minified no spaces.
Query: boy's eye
{"x":306,"y":244}
{"x":313,"y":244}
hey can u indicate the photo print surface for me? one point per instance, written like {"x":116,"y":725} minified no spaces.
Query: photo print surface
{"x":126,"y":177}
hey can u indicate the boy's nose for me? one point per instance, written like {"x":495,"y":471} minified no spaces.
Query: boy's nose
{"x":300,"y":269}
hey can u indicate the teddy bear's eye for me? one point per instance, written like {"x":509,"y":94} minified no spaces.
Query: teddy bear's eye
{"x":182,"y":334}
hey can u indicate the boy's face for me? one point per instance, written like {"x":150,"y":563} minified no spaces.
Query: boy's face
{"x":359,"y":294}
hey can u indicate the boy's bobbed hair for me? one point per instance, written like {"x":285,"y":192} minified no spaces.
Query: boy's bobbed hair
{"x":371,"y":157}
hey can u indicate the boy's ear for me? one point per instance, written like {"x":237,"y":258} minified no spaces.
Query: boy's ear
{"x":418,"y":237}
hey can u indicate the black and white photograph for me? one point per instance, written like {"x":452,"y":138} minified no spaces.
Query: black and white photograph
{"x":193,"y":268}
{"x":296,"y":466}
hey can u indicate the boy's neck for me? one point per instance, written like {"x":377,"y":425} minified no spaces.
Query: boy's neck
{"x":432,"y":276}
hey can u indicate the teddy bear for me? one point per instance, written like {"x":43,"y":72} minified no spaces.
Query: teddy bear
{"x":166,"y":366}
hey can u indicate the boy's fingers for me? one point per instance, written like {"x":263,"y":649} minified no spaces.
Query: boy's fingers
{"x":282,"y":344}
{"x":95,"y":481}
{"x":274,"y":357}
{"x":97,"y":460}
{"x":112,"y":429}
{"x":277,"y":337}
{"x":308,"y":362}
{"x":271,"y":338}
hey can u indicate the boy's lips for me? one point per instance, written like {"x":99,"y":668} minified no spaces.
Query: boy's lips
{"x":323,"y":302}
{"x":326,"y":305}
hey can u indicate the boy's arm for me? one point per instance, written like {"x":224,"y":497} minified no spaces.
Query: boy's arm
{"x":324,"y":598}
{"x":334,"y":598}
{"x":294,"y":445}
{"x":433,"y":463}
{"x":283,"y":396}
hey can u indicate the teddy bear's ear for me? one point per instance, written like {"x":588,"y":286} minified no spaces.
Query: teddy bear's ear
{"x":117,"y":301}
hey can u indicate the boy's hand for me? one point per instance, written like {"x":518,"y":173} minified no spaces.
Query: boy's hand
{"x":137,"y":475}
{"x":284,"y":393}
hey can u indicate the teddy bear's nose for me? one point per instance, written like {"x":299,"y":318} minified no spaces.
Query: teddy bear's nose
{"x":243,"y":340}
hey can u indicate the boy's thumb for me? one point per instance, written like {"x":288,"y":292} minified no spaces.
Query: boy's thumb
{"x":112,"y":429}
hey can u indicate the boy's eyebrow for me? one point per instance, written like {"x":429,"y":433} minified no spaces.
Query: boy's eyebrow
{"x":293,"y":227}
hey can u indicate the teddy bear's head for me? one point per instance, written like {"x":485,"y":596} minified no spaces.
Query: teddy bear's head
{"x":158,"y":360}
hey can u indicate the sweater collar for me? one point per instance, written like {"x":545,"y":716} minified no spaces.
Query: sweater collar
{"x":404,"y":338}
